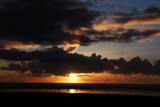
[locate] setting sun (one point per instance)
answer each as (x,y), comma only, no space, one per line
(72,75)
(73,78)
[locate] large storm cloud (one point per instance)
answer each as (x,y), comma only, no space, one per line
(55,22)
(42,22)
(52,61)
(57,61)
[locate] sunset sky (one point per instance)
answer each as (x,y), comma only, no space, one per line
(80,41)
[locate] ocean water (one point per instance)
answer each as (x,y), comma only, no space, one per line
(117,89)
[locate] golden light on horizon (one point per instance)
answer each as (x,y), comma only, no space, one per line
(73,78)
(73,75)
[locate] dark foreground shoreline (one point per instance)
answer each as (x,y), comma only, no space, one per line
(80,99)
(52,99)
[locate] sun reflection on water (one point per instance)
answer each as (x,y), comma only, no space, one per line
(72,91)
(85,91)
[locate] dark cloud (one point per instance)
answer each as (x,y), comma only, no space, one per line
(149,14)
(71,49)
(152,10)
(1,47)
(22,67)
(42,22)
(53,61)
(122,35)
(14,55)
(133,12)
(59,62)
(137,66)
(132,34)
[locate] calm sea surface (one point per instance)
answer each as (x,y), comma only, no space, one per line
(118,89)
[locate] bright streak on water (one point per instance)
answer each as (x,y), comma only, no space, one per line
(83,91)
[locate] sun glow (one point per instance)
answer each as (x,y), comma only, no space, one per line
(73,78)
(73,75)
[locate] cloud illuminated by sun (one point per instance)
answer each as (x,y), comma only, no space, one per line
(70,47)
(8,44)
